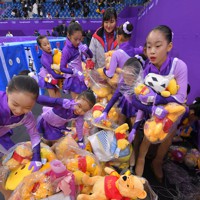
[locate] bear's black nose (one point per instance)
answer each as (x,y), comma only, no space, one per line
(124,178)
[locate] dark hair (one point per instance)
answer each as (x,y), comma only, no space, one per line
(24,72)
(39,38)
(196,107)
(133,63)
(141,58)
(109,14)
(166,31)
(127,26)
(89,96)
(23,83)
(73,27)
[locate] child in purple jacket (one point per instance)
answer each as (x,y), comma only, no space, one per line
(53,121)
(46,71)
(71,61)
(159,44)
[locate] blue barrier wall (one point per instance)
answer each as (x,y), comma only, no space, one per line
(18,56)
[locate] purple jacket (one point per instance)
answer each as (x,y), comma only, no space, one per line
(46,61)
(9,121)
(120,56)
(70,53)
(59,116)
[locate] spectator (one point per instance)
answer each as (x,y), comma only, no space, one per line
(86,9)
(54,32)
(36,33)
(49,15)
(72,13)
(48,33)
(57,14)
(9,34)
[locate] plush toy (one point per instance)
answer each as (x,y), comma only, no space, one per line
(165,85)
(171,89)
(113,115)
(121,136)
(63,149)
(86,164)
(40,185)
(192,158)
(114,186)
(177,153)
(21,155)
(156,129)
(112,146)
(15,176)
(57,54)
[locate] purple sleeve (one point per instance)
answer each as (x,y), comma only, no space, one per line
(47,65)
(113,100)
(89,53)
(30,123)
(64,61)
(140,106)
(49,101)
(79,127)
(181,76)
(113,65)
(138,120)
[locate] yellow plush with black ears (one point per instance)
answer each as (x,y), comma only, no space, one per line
(114,186)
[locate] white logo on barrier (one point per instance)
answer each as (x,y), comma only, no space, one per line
(10,62)
(18,60)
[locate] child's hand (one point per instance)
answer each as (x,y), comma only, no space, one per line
(159,112)
(147,98)
(67,104)
(79,74)
(36,165)
(81,143)
(83,48)
(103,116)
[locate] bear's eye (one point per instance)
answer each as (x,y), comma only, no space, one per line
(127,185)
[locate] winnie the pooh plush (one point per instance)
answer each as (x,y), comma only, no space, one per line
(86,164)
(114,186)
(156,130)
(21,155)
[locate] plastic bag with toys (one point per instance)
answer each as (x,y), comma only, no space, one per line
(75,158)
(164,121)
(17,163)
(99,86)
(110,122)
(43,184)
(111,145)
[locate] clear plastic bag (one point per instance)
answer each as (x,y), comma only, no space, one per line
(157,130)
(40,185)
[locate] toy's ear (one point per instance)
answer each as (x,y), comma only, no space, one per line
(142,195)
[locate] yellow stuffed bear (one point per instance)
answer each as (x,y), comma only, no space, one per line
(114,186)
(156,130)
(113,115)
(21,155)
(86,164)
